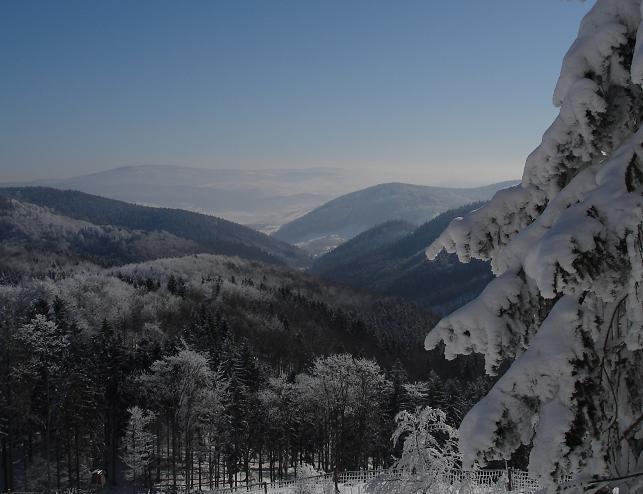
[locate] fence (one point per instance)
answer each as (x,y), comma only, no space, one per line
(480,481)
(473,481)
(353,482)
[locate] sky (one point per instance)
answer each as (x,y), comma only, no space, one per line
(433,92)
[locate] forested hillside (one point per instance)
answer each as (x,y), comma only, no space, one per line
(89,353)
(354,213)
(365,243)
(32,227)
(212,235)
(400,268)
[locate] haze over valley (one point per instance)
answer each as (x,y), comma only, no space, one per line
(316,209)
(263,199)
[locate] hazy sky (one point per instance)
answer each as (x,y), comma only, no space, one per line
(428,91)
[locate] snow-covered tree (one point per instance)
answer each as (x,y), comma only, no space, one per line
(566,246)
(430,445)
(428,457)
(189,395)
(46,348)
(138,443)
(346,394)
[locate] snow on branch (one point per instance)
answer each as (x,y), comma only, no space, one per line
(567,247)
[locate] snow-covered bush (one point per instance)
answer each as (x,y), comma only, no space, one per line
(430,445)
(429,456)
(566,246)
(306,470)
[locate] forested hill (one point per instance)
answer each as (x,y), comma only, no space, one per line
(25,225)
(255,345)
(209,234)
(285,317)
(400,268)
(366,242)
(351,214)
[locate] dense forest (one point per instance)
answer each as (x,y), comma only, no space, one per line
(198,370)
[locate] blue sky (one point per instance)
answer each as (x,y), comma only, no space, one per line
(442,92)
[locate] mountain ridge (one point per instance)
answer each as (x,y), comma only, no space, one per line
(261,198)
(356,212)
(211,234)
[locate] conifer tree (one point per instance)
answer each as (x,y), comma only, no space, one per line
(566,247)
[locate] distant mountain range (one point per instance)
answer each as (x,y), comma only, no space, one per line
(262,199)
(387,259)
(112,230)
(356,212)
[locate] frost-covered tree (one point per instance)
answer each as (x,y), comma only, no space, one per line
(346,394)
(428,457)
(430,445)
(282,410)
(566,244)
(46,347)
(189,395)
(138,443)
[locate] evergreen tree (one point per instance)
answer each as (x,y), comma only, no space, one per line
(566,246)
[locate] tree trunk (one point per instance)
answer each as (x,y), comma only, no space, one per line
(58,466)
(158,450)
(5,466)
(217,468)
(69,467)
(114,446)
(174,454)
(78,459)
(26,465)
(48,433)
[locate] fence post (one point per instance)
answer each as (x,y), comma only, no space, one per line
(265,488)
(510,486)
